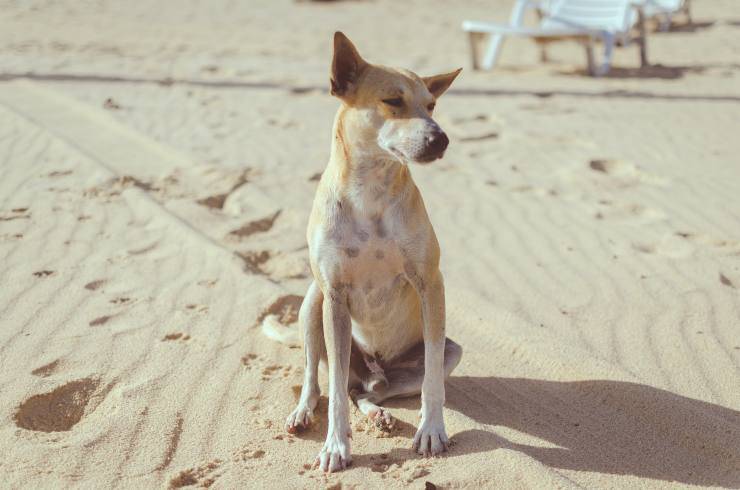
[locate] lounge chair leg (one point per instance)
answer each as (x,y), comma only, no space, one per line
(590,57)
(642,42)
(687,10)
(473,37)
(643,53)
(543,46)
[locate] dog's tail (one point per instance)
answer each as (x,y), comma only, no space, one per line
(273,329)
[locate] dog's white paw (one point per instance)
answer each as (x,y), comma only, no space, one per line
(299,419)
(335,455)
(431,438)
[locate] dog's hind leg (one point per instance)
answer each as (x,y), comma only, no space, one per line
(367,402)
(404,378)
(311,325)
(406,374)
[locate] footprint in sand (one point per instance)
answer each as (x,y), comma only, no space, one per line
(285,308)
(668,246)
(59,173)
(475,129)
(407,471)
(58,410)
(16,213)
(101,320)
(731,247)
(246,454)
(253,361)
(207,283)
(623,173)
(253,227)
(632,213)
(115,186)
(213,202)
(490,135)
(217,201)
(282,123)
(470,119)
(276,371)
(253,261)
(143,250)
(547,108)
(203,476)
(94,285)
(281,266)
(196,308)
(47,369)
(111,104)
(726,281)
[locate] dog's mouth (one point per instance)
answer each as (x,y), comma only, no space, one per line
(423,159)
(398,154)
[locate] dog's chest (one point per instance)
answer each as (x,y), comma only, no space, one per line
(370,260)
(366,249)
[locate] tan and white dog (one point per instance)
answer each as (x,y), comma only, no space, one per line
(375,312)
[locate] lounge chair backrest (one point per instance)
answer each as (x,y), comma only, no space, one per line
(615,16)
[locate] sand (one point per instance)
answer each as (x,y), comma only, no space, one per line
(158,164)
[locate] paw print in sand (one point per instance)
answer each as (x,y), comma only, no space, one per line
(176,336)
(253,361)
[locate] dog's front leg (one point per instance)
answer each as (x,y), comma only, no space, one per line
(335,455)
(431,438)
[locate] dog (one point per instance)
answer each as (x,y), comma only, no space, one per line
(375,311)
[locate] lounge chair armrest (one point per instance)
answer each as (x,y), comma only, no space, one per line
(494,28)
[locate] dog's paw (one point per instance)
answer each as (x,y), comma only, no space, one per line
(300,419)
(431,438)
(382,419)
(335,455)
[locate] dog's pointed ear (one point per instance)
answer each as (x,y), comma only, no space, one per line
(438,84)
(345,67)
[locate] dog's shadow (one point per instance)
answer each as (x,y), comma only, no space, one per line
(602,426)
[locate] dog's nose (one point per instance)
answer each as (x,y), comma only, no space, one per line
(437,142)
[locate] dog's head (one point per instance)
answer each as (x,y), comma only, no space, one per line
(388,108)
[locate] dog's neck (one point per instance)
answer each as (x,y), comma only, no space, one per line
(361,170)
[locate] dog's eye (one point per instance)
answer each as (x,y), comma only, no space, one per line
(430,107)
(395,102)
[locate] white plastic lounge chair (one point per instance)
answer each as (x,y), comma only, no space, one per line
(665,10)
(585,21)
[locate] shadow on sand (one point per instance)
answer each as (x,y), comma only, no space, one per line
(308,89)
(603,426)
(656,71)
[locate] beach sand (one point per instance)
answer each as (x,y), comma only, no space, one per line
(158,166)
